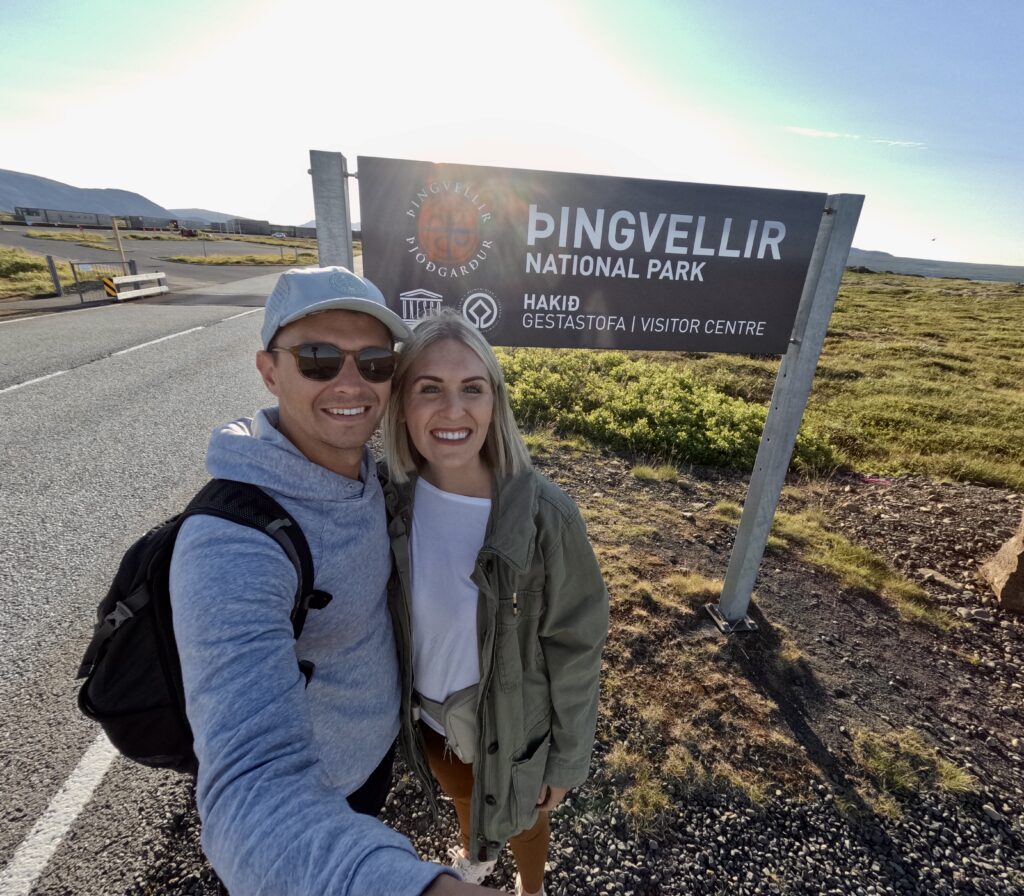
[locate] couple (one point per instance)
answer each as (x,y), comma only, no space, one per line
(466,619)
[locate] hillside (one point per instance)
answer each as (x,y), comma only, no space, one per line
(17,189)
(201,214)
(923,267)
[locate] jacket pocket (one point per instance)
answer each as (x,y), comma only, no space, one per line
(518,642)
(527,778)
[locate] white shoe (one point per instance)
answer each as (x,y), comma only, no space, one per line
(519,887)
(471,872)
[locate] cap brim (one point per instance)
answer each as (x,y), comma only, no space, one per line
(398,328)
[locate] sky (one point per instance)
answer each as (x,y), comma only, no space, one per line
(917,104)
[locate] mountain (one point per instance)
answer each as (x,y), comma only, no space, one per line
(201,214)
(41,192)
(923,267)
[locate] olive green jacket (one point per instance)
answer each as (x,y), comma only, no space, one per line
(542,620)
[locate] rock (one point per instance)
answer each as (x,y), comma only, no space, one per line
(992,812)
(1005,573)
(933,575)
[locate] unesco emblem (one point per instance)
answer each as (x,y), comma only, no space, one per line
(451,220)
(481,308)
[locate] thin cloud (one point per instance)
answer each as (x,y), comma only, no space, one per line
(834,135)
(910,144)
(830,135)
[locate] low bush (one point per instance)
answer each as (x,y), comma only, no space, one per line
(643,407)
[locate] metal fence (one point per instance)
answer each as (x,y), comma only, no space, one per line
(88,274)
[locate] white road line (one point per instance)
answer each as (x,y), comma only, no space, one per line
(38,379)
(123,351)
(36,850)
(18,320)
(243,314)
(135,348)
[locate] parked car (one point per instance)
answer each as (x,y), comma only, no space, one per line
(279,235)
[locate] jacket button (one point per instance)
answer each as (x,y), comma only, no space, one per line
(490,800)
(493,748)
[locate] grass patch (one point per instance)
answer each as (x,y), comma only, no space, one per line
(663,473)
(693,589)
(545,442)
(156,235)
(304,258)
(727,512)
(641,795)
(856,567)
(902,764)
(26,274)
(83,238)
(917,375)
(68,236)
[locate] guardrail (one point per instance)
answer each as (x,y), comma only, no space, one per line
(114,286)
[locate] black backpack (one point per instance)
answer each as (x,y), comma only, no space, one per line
(131,668)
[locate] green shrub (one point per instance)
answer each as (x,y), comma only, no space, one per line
(642,407)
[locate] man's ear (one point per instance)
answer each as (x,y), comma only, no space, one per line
(267,366)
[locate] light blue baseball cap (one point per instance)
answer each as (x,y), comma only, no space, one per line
(304,291)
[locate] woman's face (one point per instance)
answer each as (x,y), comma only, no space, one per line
(447,403)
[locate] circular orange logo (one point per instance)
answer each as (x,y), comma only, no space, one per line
(448,229)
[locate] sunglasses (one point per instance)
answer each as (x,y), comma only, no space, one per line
(322,361)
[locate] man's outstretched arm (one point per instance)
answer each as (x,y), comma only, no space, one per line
(450,886)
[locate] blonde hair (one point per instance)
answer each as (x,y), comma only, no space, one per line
(504,451)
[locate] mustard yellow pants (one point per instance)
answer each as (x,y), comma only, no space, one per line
(530,847)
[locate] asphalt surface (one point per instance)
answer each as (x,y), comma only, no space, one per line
(97,447)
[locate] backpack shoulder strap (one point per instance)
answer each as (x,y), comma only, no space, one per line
(249,505)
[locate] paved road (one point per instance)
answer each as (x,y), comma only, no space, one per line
(105,416)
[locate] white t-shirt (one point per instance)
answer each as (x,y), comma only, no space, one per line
(447,534)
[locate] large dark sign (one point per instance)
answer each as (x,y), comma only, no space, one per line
(537,258)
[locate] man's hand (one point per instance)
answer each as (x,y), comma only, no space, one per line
(550,797)
(446,885)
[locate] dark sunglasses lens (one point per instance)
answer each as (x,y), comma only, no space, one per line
(376,365)
(319,361)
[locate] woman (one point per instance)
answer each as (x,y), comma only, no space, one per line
(507,607)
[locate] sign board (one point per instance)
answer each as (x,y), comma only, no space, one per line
(538,258)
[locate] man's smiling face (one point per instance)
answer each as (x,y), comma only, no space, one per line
(330,421)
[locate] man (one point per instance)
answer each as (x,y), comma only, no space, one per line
(291,773)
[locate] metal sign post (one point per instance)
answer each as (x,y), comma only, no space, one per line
(789,399)
(330,207)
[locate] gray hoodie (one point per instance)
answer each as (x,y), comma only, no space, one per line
(277,758)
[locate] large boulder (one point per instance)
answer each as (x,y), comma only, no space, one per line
(1005,573)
